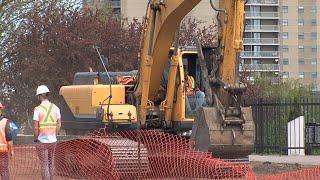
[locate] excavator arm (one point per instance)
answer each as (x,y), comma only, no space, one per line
(162,21)
(232,28)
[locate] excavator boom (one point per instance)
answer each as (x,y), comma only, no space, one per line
(162,21)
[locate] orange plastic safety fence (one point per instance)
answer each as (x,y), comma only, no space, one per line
(124,155)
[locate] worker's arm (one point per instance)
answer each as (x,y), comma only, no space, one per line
(58,125)
(58,120)
(35,125)
(36,131)
(10,148)
(9,138)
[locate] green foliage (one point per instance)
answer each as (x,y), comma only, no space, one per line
(289,89)
(277,104)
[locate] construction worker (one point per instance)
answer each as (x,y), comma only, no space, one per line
(6,145)
(200,98)
(47,123)
(190,83)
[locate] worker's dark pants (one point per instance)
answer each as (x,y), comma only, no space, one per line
(46,154)
(4,166)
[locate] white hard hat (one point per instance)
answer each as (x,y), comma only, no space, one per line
(43,89)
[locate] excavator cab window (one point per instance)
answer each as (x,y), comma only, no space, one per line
(190,63)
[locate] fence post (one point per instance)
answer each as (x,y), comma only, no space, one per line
(296,136)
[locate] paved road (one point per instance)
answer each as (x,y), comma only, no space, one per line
(303,160)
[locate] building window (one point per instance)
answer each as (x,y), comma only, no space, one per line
(314,74)
(301,74)
(301,62)
(300,22)
(313,35)
(285,74)
(313,22)
(301,35)
(313,61)
(285,22)
(313,9)
(301,48)
(285,61)
(285,9)
(314,48)
(301,9)
(285,48)
(285,35)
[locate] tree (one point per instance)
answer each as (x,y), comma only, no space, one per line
(191,28)
(289,89)
(12,17)
(55,44)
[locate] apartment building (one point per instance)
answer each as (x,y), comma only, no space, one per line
(281,40)
(137,9)
(261,54)
(299,41)
(114,5)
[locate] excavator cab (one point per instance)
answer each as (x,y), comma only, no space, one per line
(221,126)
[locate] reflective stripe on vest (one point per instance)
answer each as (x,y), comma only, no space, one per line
(3,141)
(47,120)
(189,92)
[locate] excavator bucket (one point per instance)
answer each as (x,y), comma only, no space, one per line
(224,141)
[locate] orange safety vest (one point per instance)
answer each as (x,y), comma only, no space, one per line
(3,141)
(190,85)
(47,119)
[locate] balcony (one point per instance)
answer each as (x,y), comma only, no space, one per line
(262,28)
(261,41)
(259,54)
(263,2)
(259,67)
(272,80)
(262,15)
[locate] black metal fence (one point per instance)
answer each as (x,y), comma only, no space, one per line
(271,121)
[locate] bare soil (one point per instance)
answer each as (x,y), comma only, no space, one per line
(268,168)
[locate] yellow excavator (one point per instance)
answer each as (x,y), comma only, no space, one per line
(156,97)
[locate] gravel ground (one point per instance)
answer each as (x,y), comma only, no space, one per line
(268,168)
(267,165)
(303,160)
